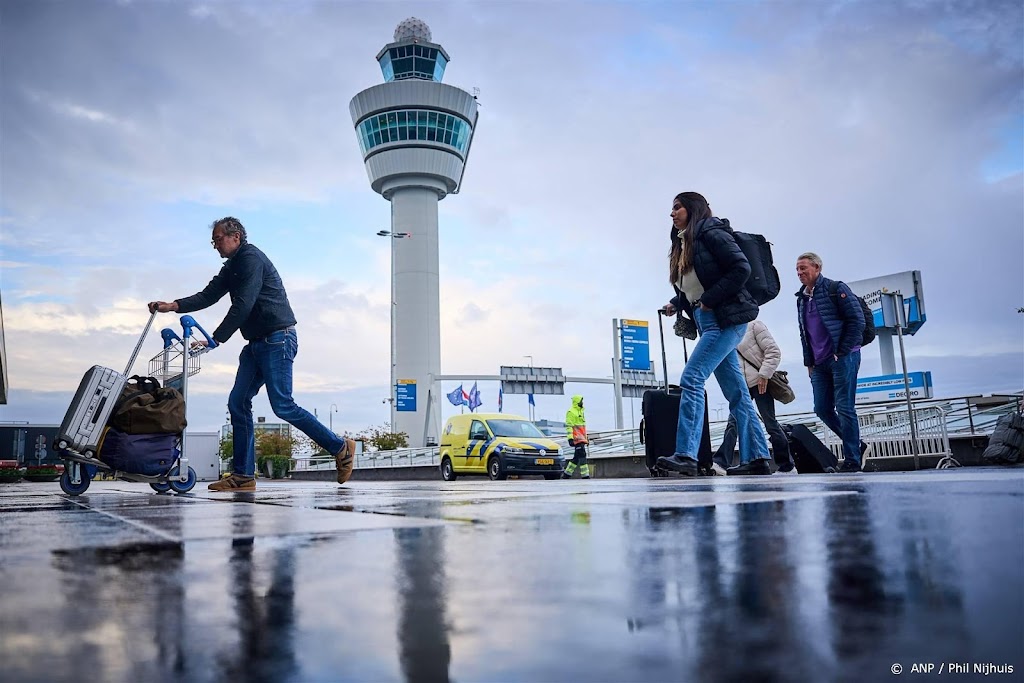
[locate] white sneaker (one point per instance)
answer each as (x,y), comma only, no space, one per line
(719,470)
(786,472)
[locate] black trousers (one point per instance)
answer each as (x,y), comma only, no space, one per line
(780,444)
(580,455)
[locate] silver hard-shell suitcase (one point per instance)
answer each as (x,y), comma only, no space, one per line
(82,427)
(83,424)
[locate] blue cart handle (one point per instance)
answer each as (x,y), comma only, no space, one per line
(188,322)
(169,336)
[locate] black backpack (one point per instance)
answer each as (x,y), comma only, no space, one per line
(869,333)
(763,284)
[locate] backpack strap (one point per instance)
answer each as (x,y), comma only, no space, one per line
(833,291)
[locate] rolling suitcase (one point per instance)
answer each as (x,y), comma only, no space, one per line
(660,417)
(82,426)
(810,455)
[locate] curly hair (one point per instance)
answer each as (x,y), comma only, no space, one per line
(231,226)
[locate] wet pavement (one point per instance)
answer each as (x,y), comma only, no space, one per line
(802,578)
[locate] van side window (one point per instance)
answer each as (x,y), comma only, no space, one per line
(478,431)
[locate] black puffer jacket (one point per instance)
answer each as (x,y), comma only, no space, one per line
(722,270)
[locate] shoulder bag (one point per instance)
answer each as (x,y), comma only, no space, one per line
(778,383)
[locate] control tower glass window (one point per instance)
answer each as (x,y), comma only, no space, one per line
(413,61)
(414,124)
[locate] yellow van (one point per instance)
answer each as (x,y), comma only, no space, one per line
(497,444)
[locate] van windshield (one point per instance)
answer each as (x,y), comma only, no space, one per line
(515,429)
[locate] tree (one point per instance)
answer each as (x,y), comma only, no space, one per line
(274,443)
(383,439)
(227,447)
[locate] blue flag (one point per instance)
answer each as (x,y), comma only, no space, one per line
(457,397)
(474,398)
(530,399)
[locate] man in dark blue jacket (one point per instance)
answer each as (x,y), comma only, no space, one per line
(831,324)
(260,310)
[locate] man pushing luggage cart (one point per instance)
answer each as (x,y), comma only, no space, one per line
(261,312)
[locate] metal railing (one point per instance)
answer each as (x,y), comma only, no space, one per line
(884,427)
(888,434)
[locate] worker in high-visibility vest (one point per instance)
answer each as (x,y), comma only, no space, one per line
(576,431)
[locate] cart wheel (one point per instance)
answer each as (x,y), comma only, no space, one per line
(182,486)
(160,487)
(74,489)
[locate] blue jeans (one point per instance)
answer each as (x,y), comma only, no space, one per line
(834,384)
(269,361)
(716,352)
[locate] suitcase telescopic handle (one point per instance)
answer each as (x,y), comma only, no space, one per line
(661,333)
(188,322)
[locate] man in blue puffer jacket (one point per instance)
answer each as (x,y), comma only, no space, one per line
(830,331)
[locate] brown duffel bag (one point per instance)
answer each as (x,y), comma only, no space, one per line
(147,408)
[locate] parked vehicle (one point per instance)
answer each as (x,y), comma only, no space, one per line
(497,444)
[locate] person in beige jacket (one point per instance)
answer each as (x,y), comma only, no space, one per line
(759,358)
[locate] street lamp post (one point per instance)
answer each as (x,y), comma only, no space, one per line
(529,407)
(394,236)
(334,409)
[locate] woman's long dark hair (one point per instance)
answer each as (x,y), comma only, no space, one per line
(680,257)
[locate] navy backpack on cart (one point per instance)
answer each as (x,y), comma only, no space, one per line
(148,454)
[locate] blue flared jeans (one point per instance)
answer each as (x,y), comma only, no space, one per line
(834,384)
(715,352)
(268,361)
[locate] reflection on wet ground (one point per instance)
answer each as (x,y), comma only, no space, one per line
(796,578)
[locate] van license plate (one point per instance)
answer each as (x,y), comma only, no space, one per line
(544,461)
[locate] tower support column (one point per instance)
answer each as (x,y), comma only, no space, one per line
(417,336)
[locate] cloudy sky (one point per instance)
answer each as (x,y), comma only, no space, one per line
(884,136)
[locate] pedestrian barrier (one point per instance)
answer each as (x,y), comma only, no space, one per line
(888,434)
(885,428)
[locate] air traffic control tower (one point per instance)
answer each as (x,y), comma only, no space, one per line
(415,134)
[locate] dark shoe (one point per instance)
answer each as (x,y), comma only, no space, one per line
(566,475)
(234,482)
(345,460)
(673,463)
(759,466)
(849,466)
(585,476)
(707,471)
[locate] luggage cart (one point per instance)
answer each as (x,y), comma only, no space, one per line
(179,360)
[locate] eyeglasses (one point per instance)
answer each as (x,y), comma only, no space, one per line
(218,238)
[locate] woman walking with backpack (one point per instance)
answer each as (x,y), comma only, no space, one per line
(708,270)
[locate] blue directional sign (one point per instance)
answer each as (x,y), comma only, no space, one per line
(405,396)
(636,351)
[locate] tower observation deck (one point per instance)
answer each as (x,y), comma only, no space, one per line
(415,134)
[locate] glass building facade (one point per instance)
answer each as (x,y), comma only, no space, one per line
(413,61)
(414,124)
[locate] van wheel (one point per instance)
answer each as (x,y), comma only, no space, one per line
(494,470)
(447,471)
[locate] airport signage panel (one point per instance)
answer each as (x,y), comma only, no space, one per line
(892,387)
(405,395)
(635,343)
(907,283)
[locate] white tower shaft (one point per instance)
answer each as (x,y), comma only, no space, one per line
(417,335)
